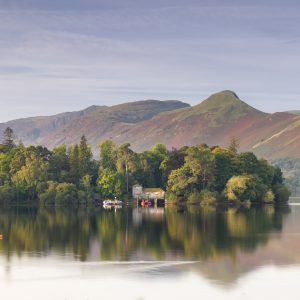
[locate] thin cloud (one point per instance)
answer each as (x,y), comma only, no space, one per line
(69,55)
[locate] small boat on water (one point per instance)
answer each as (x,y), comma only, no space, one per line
(115,202)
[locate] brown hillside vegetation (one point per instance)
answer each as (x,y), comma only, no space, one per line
(213,122)
(173,123)
(96,122)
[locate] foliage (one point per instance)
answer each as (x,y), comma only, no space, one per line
(268,197)
(108,155)
(7,194)
(224,168)
(281,193)
(111,184)
(245,187)
(48,196)
(181,181)
(233,145)
(173,161)
(66,193)
(74,164)
(31,174)
(205,197)
(85,157)
(59,164)
(8,140)
(197,173)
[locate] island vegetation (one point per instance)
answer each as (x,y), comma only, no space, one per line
(197,174)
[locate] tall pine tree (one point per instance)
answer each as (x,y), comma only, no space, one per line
(85,157)
(8,139)
(74,163)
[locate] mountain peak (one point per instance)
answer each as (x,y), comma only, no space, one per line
(228,93)
(224,100)
(224,106)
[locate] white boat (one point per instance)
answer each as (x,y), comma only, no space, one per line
(114,202)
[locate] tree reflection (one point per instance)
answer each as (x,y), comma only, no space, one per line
(192,233)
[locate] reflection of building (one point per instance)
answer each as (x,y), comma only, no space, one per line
(138,192)
(138,214)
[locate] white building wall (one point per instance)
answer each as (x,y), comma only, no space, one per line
(137,190)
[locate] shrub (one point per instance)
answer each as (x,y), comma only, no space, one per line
(245,187)
(7,194)
(59,193)
(268,197)
(282,194)
(49,195)
(207,197)
(194,198)
(66,193)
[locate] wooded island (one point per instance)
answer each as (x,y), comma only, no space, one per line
(71,175)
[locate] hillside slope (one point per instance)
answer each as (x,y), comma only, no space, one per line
(173,123)
(96,122)
(213,122)
(294,112)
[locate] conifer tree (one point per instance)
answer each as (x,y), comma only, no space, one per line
(85,157)
(74,163)
(233,145)
(8,139)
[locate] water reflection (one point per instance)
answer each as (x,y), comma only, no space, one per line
(133,234)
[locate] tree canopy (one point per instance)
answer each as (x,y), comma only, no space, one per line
(71,174)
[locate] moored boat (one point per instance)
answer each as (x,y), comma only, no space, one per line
(114,202)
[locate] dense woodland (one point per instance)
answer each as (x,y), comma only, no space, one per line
(71,175)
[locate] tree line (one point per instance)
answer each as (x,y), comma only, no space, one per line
(71,175)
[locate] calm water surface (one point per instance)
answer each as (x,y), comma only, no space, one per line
(163,253)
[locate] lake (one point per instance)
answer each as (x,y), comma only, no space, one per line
(150,253)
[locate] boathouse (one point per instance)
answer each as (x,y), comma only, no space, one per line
(138,192)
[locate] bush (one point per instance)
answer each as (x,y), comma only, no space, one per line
(7,194)
(208,197)
(66,193)
(205,197)
(49,195)
(59,193)
(268,197)
(245,187)
(282,194)
(194,198)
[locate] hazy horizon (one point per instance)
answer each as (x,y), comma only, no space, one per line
(58,56)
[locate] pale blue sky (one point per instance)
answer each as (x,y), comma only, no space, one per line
(63,55)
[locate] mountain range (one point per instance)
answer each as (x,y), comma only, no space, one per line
(173,123)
